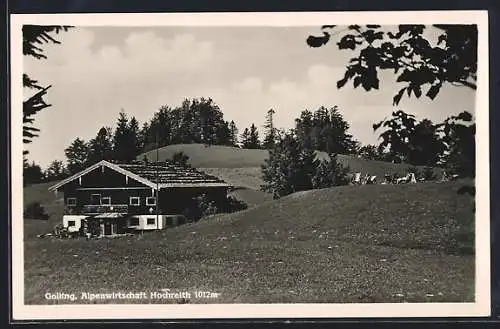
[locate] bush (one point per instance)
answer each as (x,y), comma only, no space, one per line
(330,173)
(234,205)
(291,168)
(181,159)
(429,174)
(35,211)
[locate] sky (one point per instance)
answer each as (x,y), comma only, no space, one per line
(97,71)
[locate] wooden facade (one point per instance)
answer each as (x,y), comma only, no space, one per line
(109,199)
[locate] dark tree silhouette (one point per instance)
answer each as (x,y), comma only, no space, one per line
(459,137)
(77,155)
(34,36)
(245,138)
(32,173)
(371,152)
(417,143)
(101,147)
(126,140)
(291,168)
(424,66)
(270,130)
(325,130)
(195,121)
(56,171)
(233,136)
(253,139)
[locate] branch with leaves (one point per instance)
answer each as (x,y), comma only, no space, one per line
(418,64)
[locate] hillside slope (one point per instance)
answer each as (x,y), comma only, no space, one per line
(201,156)
(373,243)
(428,215)
(40,193)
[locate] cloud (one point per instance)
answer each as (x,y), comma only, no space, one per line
(91,86)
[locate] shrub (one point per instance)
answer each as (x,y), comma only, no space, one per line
(181,159)
(291,168)
(429,174)
(330,173)
(35,211)
(234,205)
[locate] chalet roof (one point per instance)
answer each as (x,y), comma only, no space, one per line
(161,175)
(167,174)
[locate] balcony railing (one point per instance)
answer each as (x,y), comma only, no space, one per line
(100,209)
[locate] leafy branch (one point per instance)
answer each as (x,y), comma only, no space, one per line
(453,60)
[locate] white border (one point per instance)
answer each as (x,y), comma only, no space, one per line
(190,311)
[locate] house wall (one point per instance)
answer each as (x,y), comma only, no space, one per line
(176,200)
(164,221)
(76,218)
(143,225)
(109,183)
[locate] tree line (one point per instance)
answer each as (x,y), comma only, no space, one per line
(293,164)
(449,144)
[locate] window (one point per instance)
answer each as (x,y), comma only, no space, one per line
(150,201)
(95,199)
(135,201)
(71,201)
(106,201)
(151,221)
(134,222)
(71,223)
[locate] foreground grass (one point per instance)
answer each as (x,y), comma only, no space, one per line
(377,243)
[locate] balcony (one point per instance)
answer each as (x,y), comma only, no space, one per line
(100,209)
(95,209)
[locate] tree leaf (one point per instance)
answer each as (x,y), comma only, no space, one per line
(398,96)
(347,42)
(377,125)
(465,116)
(341,83)
(433,91)
(417,90)
(316,42)
(357,81)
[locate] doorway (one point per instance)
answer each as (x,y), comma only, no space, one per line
(108,228)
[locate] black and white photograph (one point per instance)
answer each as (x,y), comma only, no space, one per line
(232,165)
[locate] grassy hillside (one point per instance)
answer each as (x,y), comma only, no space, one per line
(217,156)
(248,177)
(372,243)
(39,193)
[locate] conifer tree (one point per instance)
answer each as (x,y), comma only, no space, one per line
(245,138)
(77,156)
(134,135)
(253,140)
(270,130)
(56,171)
(33,37)
(233,133)
(101,147)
